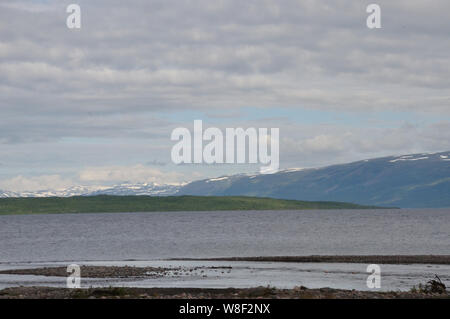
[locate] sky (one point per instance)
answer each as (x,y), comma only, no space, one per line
(97,105)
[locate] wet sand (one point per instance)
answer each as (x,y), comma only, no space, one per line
(105,271)
(176,271)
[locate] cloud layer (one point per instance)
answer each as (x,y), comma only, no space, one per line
(108,95)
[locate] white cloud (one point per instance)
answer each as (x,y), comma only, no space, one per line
(99,176)
(134,174)
(36,183)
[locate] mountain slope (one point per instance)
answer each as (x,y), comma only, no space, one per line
(417,180)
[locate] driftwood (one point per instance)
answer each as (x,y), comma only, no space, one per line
(435,286)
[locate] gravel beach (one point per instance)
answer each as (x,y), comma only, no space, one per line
(204,293)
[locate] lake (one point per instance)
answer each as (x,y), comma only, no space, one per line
(148,236)
(150,239)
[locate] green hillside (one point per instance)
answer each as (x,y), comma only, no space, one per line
(110,204)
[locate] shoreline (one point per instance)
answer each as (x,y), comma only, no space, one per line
(209,293)
(363,259)
(418,289)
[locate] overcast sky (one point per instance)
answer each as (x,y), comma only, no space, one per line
(97,105)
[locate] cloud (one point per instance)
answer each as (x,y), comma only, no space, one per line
(107,96)
(261,53)
(99,176)
(135,174)
(36,183)
(321,143)
(311,146)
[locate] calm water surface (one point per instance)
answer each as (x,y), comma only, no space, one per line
(150,236)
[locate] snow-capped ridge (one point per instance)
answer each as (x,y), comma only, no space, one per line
(151,189)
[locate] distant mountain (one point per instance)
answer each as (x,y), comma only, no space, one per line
(151,189)
(415,181)
(138,189)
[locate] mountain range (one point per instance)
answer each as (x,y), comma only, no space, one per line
(410,181)
(414,181)
(124,189)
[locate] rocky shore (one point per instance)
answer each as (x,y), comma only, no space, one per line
(204,293)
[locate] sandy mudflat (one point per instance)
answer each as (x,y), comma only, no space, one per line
(110,271)
(92,271)
(365,259)
(195,272)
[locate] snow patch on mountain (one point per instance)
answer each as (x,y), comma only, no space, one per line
(150,189)
(419,157)
(217,179)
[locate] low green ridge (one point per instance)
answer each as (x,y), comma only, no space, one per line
(114,204)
